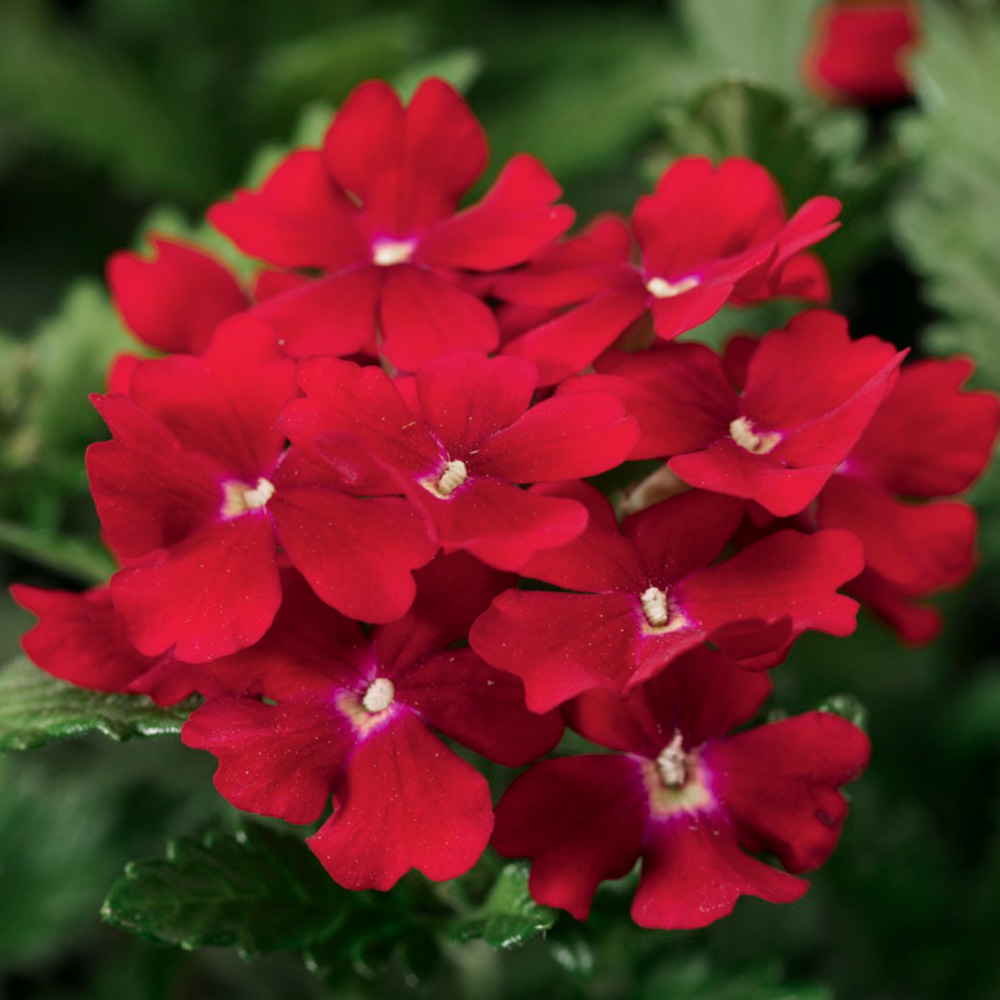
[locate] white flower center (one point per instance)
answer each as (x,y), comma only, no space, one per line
(654,606)
(742,431)
(238,498)
(660,288)
(386,252)
(380,695)
(672,763)
(453,475)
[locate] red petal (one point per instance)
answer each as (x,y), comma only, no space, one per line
(580,820)
(560,644)
(79,639)
(308,647)
(778,783)
(680,313)
(149,492)
(569,343)
(224,404)
(332,315)
(358,554)
(410,166)
(821,388)
(703,695)
(175,300)
(501,524)
(406,802)
(916,623)
(209,596)
(515,219)
(702,217)
(452,591)
(725,467)
(860,52)
(679,394)
(682,534)
(563,437)
(424,315)
(278,760)
(575,269)
(481,708)
(465,397)
(804,277)
(298,218)
(693,872)
(916,547)
(600,559)
(929,438)
(342,397)
(785,574)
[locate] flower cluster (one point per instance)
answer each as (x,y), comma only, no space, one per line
(350,512)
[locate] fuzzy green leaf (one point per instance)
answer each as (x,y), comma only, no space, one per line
(948,221)
(256,890)
(36,708)
(509,916)
(763,40)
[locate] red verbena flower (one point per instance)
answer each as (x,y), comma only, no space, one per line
(375,212)
(196,489)
(685,795)
(708,235)
(860,50)
(360,729)
(808,393)
(929,439)
(456,438)
(646,594)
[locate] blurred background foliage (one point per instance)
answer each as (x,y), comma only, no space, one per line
(121,115)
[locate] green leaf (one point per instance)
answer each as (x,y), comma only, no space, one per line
(948,220)
(695,978)
(326,64)
(36,708)
(579,92)
(85,561)
(509,916)
(460,67)
(46,421)
(847,706)
(98,102)
(763,40)
(571,949)
(256,890)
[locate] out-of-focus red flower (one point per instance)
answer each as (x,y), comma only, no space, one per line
(860,48)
